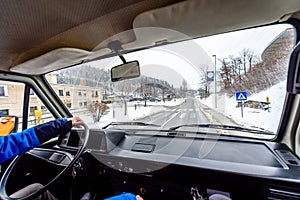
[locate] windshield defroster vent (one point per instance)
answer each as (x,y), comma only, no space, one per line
(143,147)
(288,157)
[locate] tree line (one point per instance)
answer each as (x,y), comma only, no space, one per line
(90,76)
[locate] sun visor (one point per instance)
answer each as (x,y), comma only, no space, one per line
(53,60)
(211,17)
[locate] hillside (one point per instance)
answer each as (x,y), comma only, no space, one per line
(253,72)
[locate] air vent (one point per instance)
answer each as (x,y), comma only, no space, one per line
(142,147)
(282,194)
(288,157)
(174,134)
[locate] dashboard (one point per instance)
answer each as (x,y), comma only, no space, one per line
(158,165)
(103,140)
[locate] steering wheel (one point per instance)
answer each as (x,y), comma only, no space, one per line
(3,194)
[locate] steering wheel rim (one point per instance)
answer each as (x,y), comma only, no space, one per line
(6,174)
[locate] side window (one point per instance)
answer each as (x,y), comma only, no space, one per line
(11,102)
(38,112)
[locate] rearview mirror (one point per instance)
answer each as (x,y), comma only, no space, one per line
(125,71)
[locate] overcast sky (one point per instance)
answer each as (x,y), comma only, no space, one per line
(256,39)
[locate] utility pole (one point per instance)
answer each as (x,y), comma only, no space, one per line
(215,79)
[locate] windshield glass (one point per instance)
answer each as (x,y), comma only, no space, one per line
(237,79)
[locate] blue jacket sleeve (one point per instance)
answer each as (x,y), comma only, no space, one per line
(124,196)
(51,129)
(18,143)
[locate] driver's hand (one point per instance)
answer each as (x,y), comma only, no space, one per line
(76,121)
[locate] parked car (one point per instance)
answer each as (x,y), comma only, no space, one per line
(154,99)
(59,58)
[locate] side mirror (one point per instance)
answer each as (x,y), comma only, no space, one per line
(125,71)
(8,124)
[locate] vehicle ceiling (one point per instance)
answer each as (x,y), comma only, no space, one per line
(37,36)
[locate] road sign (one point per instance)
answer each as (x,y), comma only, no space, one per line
(210,76)
(241,96)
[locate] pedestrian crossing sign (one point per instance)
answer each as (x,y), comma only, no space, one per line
(241,96)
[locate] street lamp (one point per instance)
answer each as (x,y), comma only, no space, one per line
(215,79)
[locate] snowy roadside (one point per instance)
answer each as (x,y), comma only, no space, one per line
(215,116)
(253,118)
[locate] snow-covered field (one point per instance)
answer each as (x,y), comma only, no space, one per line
(267,120)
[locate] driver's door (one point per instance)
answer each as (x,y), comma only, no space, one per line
(20,108)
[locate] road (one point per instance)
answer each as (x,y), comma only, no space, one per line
(188,112)
(185,111)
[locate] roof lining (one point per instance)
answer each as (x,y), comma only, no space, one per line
(91,37)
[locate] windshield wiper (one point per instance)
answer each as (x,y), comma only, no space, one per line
(129,123)
(223,127)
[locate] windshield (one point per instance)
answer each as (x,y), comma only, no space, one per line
(236,79)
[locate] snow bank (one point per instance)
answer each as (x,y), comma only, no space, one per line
(268,120)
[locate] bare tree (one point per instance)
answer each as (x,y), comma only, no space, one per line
(226,73)
(97,109)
